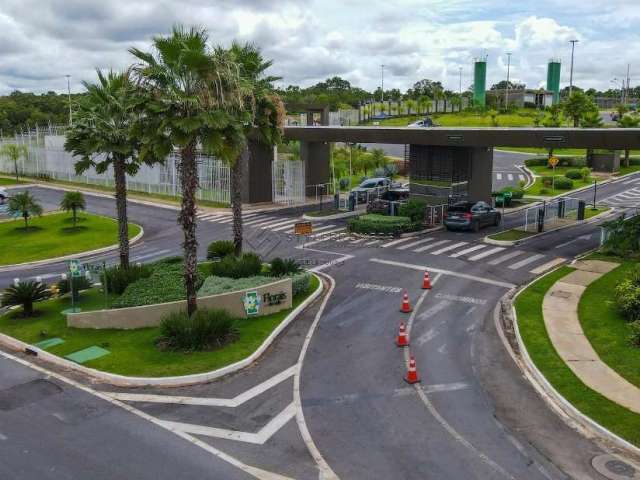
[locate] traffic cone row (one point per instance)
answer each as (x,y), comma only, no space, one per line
(426,282)
(412,372)
(403,338)
(406,306)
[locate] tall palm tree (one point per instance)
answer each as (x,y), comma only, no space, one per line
(102,137)
(190,90)
(14,152)
(263,113)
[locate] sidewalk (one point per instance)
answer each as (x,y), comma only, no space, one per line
(560,311)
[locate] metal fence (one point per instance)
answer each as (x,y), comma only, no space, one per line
(559,211)
(288,181)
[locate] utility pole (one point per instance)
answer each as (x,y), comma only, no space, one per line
(460,82)
(506,95)
(626,92)
(573,47)
(382,82)
(69,99)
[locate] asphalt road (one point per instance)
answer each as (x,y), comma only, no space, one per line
(473,415)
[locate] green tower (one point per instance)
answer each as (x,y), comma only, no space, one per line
(480,82)
(553,79)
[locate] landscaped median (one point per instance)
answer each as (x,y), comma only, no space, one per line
(250,308)
(579,341)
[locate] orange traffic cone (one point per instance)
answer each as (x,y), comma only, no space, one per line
(426,282)
(406,307)
(403,338)
(412,372)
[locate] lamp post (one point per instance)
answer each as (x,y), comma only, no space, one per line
(573,47)
(506,95)
(382,82)
(460,81)
(69,99)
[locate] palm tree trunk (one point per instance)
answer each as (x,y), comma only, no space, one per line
(75,219)
(236,199)
(15,164)
(626,157)
(187,220)
(25,215)
(121,210)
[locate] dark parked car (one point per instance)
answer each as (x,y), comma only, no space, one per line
(471,216)
(371,187)
(382,205)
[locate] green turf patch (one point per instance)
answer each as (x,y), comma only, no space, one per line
(54,235)
(511,235)
(48,343)
(534,334)
(87,354)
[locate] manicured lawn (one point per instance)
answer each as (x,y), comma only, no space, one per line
(133,352)
(630,169)
(534,334)
(538,188)
(324,213)
(574,152)
(5,181)
(592,212)
(466,119)
(606,328)
(54,235)
(511,235)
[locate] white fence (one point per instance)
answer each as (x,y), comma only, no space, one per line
(288,183)
(559,211)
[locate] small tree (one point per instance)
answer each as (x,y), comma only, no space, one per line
(628,121)
(72,202)
(378,158)
(24,205)
(14,152)
(577,106)
(25,294)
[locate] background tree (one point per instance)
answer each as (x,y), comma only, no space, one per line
(14,152)
(102,136)
(628,121)
(190,90)
(24,205)
(591,119)
(577,105)
(25,293)
(411,106)
(424,104)
(72,202)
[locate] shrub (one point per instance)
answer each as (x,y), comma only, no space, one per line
(381,224)
(574,174)
(414,209)
(536,162)
(345,183)
(547,181)
(117,279)
(563,183)
(79,283)
(516,192)
(281,267)
(634,335)
(205,329)
(390,170)
(544,191)
(585,172)
(248,265)
(220,249)
(627,295)
(300,283)
(215,285)
(25,293)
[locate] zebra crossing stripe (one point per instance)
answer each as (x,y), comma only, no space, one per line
(498,176)
(505,257)
(396,242)
(510,176)
(267,223)
(277,224)
(357,240)
(526,261)
(414,244)
(521,177)
(328,232)
(319,229)
(467,250)
(259,220)
(449,248)
(284,227)
(209,216)
(485,254)
(546,266)
(372,242)
(435,244)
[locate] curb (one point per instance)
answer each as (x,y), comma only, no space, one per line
(560,405)
(177,381)
(48,261)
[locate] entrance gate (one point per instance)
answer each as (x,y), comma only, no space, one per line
(287,178)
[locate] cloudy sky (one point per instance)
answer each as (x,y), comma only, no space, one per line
(310,40)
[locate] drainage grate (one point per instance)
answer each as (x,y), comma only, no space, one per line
(27,394)
(615,468)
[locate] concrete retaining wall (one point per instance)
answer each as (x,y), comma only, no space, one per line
(151,315)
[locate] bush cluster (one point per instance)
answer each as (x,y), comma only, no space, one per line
(220,249)
(215,285)
(205,329)
(382,225)
(623,237)
(415,209)
(300,283)
(574,174)
(248,265)
(516,192)
(562,162)
(281,267)
(563,183)
(627,295)
(117,279)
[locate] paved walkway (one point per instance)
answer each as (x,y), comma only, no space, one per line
(560,310)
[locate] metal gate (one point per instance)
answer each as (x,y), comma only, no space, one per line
(287,177)
(559,211)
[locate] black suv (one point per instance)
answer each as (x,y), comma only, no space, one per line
(471,216)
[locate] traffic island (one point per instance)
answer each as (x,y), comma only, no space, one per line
(552,336)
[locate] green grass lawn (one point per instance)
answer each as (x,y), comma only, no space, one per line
(523,118)
(6,181)
(54,235)
(538,189)
(511,235)
(133,352)
(606,328)
(534,334)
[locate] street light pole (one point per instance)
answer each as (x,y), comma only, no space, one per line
(506,96)
(69,99)
(382,82)
(573,47)
(460,82)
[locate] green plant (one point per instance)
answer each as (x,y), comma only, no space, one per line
(585,173)
(563,183)
(516,192)
(414,208)
(72,202)
(25,293)
(248,265)
(281,267)
(205,329)
(634,335)
(79,283)
(574,174)
(220,249)
(627,295)
(300,283)
(14,152)
(216,285)
(547,181)
(622,236)
(381,224)
(544,191)
(117,279)
(345,183)
(24,205)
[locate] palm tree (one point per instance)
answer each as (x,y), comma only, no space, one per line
(25,293)
(14,152)
(263,112)
(24,205)
(72,202)
(628,121)
(411,105)
(190,90)
(423,104)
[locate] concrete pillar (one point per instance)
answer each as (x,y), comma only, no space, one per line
(316,158)
(256,170)
(481,178)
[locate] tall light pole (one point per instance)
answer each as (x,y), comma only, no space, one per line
(460,82)
(506,95)
(573,47)
(626,92)
(69,99)
(382,82)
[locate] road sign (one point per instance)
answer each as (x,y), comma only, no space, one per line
(553,161)
(74,268)
(303,228)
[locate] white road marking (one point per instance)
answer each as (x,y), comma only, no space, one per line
(510,177)
(434,244)
(498,176)
(259,438)
(448,248)
(485,254)
(357,240)
(543,268)
(457,298)
(270,226)
(284,227)
(325,227)
(422,268)
(226,220)
(267,223)
(445,387)
(521,177)
(467,250)
(3,437)
(155,253)
(415,244)
(581,237)
(260,220)
(207,401)
(505,257)
(396,242)
(526,261)
(328,232)
(380,288)
(211,216)
(372,242)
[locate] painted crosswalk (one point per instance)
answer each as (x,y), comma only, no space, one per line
(629,199)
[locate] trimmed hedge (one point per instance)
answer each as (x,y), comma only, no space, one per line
(204,330)
(563,183)
(516,192)
(248,265)
(574,174)
(414,208)
(381,224)
(216,285)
